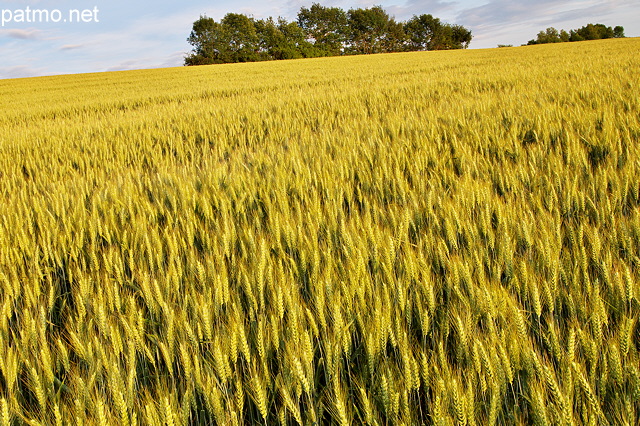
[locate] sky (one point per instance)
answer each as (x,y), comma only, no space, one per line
(109,35)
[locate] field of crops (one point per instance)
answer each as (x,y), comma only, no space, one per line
(419,238)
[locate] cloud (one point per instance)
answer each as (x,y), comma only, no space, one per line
(131,64)
(506,21)
(501,12)
(592,13)
(29,34)
(19,72)
(419,7)
(71,46)
(504,12)
(176,59)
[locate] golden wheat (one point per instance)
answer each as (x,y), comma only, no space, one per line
(414,238)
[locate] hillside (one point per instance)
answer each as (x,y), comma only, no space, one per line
(413,238)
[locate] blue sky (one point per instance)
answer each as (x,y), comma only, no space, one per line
(133,35)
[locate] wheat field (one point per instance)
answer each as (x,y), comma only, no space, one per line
(446,238)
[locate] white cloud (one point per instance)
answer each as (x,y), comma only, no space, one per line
(176,59)
(126,65)
(515,22)
(19,72)
(71,46)
(441,9)
(27,34)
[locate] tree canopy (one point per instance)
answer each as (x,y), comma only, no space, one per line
(326,27)
(318,31)
(588,32)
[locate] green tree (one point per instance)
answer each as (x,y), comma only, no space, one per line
(318,31)
(395,39)
(588,32)
(550,35)
(461,37)
(592,32)
(234,39)
(241,37)
(372,30)
(271,42)
(207,41)
(618,32)
(326,27)
(296,39)
(425,32)
(282,40)
(422,32)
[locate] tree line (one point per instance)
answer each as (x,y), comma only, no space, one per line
(318,31)
(588,32)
